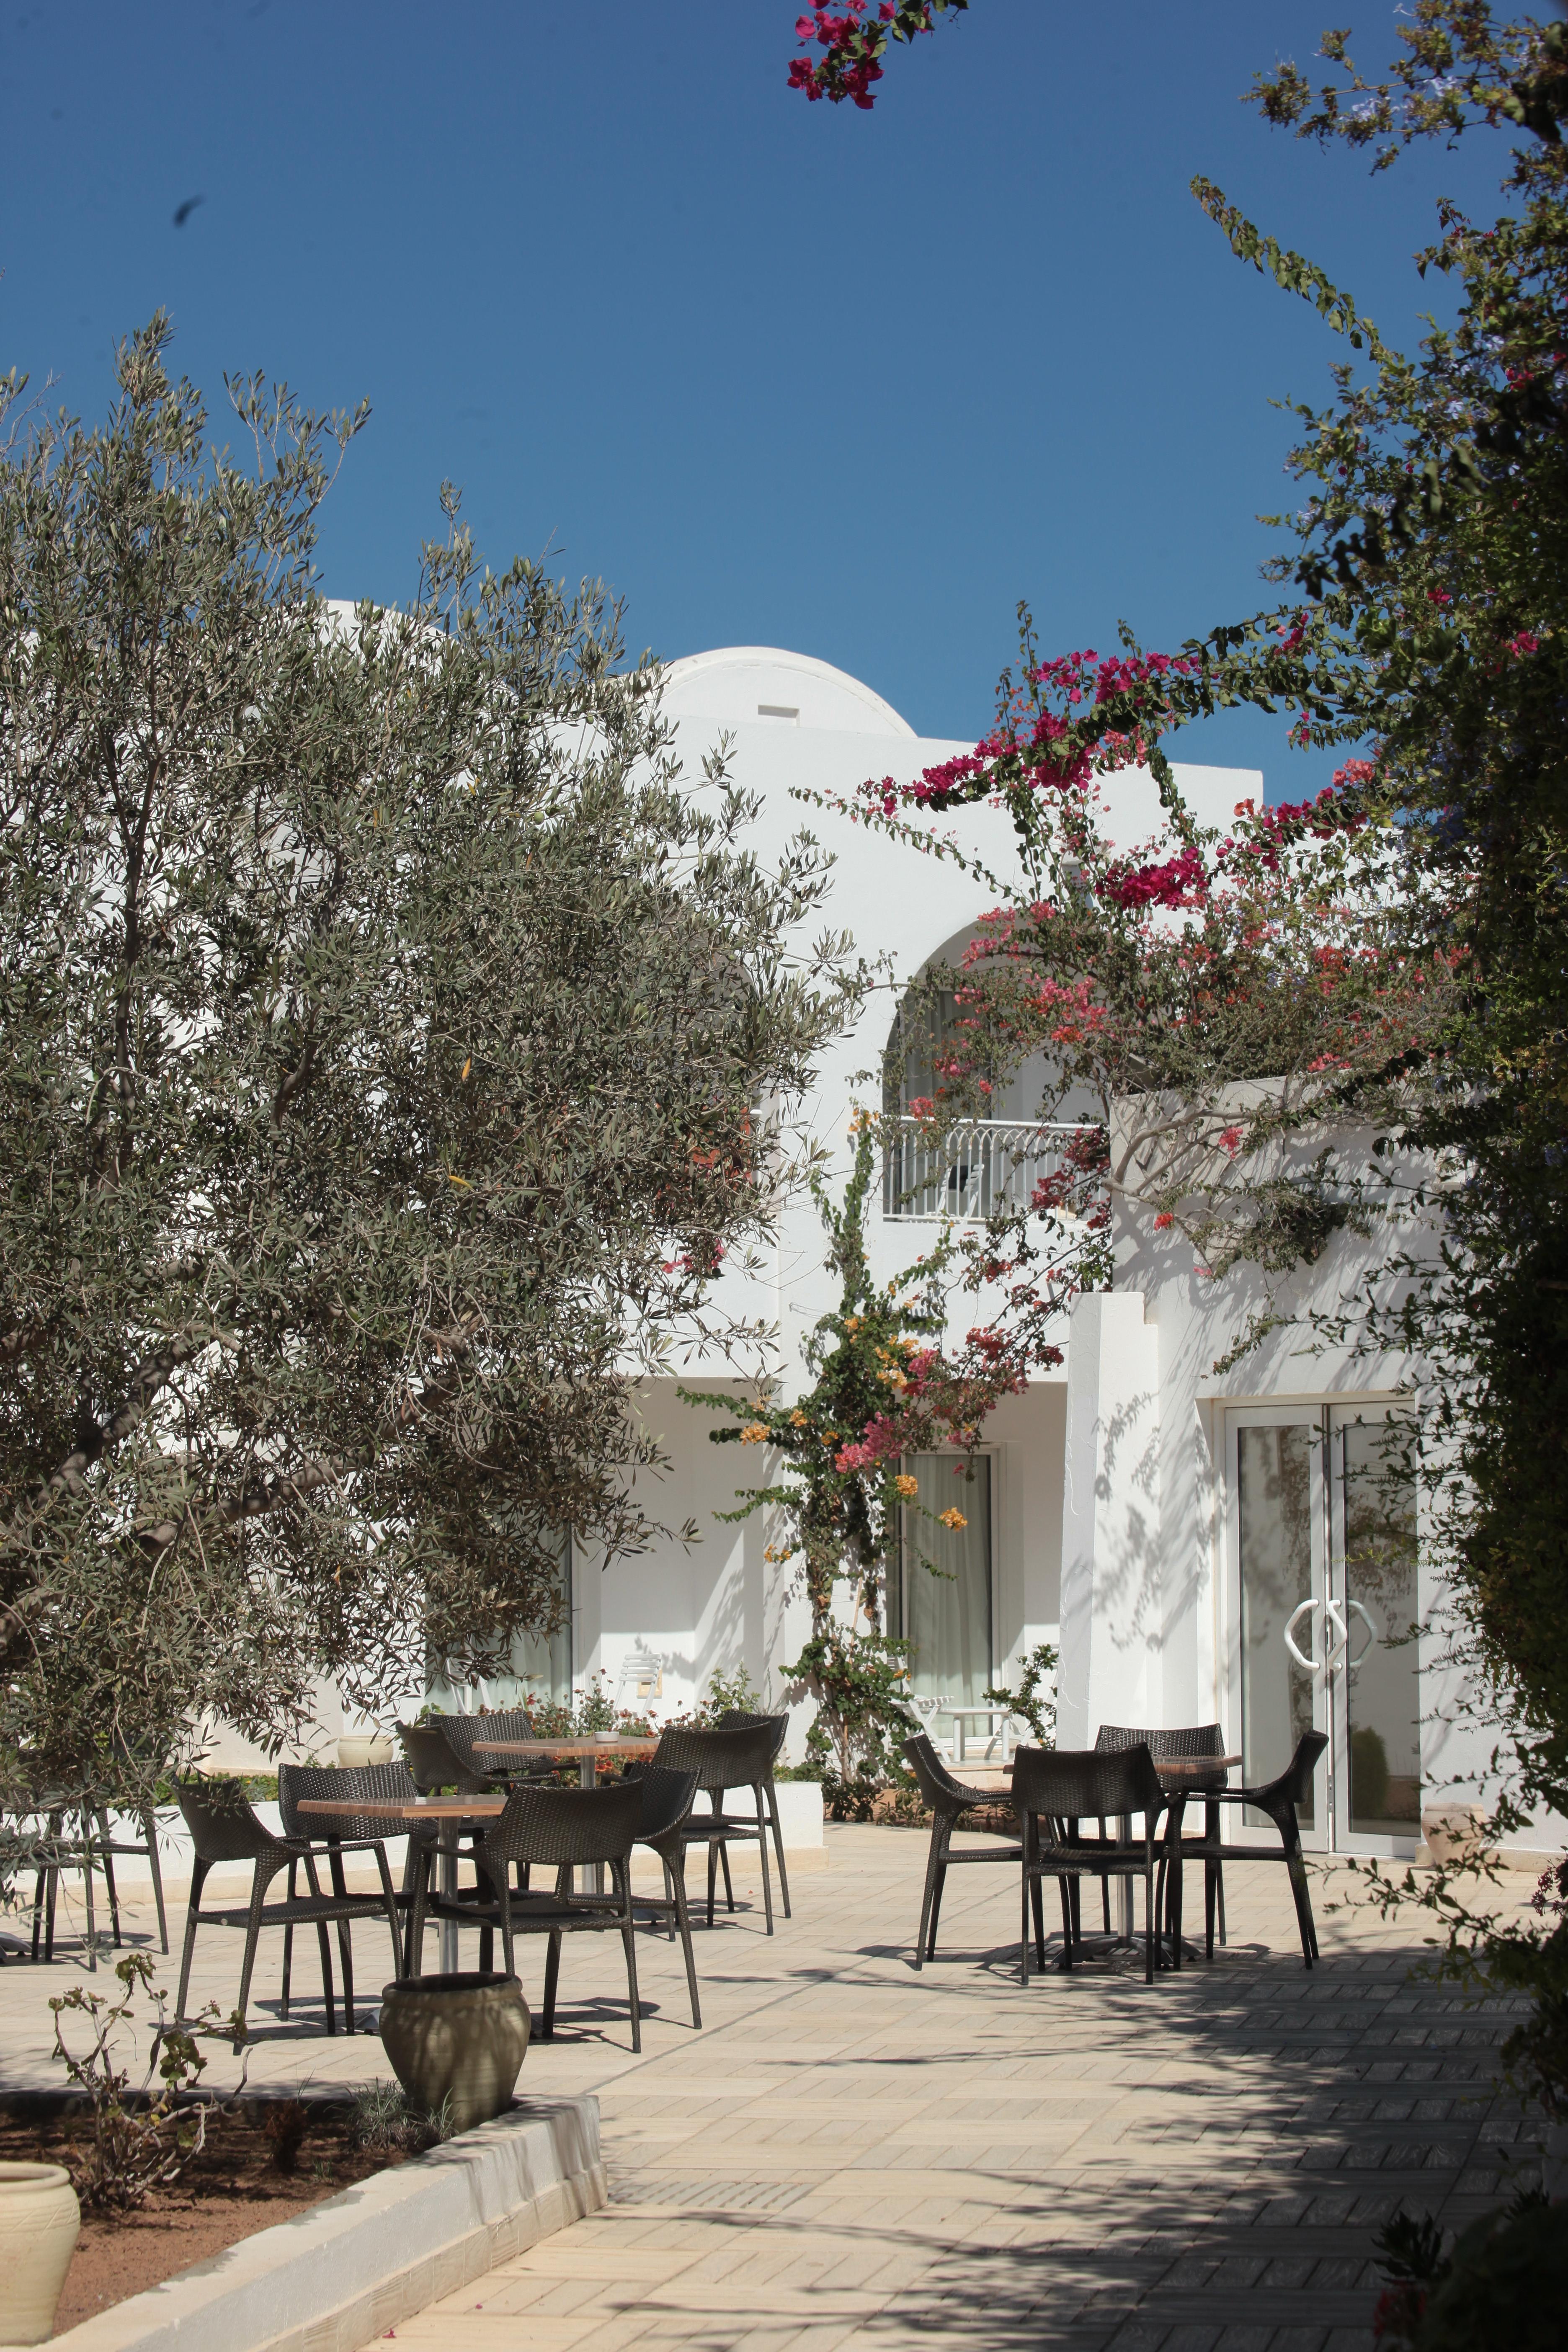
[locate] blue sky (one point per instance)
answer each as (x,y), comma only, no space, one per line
(781,373)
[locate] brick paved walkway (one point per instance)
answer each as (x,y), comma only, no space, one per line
(855,2155)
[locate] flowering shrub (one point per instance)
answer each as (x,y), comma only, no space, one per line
(851,47)
(884,1387)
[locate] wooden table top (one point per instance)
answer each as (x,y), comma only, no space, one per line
(407,1809)
(611,1744)
(1192,1768)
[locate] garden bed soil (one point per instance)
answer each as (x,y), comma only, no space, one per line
(233,2190)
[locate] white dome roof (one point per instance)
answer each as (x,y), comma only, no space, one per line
(742,685)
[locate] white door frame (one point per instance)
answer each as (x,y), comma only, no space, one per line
(1321,1633)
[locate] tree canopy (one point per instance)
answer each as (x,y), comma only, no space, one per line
(395,1044)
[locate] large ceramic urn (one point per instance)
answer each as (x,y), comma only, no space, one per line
(459,2037)
(39,2219)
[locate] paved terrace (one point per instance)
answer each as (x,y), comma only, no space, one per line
(853,2155)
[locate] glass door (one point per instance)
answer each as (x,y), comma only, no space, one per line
(1277,1523)
(1323,1544)
(1372,1609)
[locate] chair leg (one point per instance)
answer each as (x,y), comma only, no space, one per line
(1211,1871)
(1075,1906)
(924,1951)
(1023,1926)
(389,1904)
(291,1887)
(417,1871)
(551,1978)
(622,1873)
(1308,1934)
(762,1853)
(712,1874)
(1064,1890)
(725,1866)
(198,1873)
(778,1847)
(87,1890)
(149,1823)
(324,1946)
(1219,1896)
(252,1934)
(1151,1908)
(682,1919)
(346,1953)
(106,1835)
(1038,1893)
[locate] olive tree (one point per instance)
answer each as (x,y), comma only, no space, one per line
(394,1044)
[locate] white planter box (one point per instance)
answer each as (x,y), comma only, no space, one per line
(800,1811)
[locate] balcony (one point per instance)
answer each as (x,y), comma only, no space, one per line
(969,1170)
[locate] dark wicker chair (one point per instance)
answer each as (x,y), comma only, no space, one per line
(735,1718)
(460,1731)
(739,1758)
(1193,1739)
(1280,1799)
(326,1837)
(1055,1789)
(565,1828)
(53,1847)
(434,1763)
(949,1800)
(667,1802)
(107,1845)
(225,1829)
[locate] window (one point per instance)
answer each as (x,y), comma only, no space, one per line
(944,1609)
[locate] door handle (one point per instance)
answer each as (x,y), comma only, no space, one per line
(1310,1665)
(1333,1612)
(1373,1636)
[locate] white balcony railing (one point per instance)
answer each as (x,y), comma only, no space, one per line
(968,1171)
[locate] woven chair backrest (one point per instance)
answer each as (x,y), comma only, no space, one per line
(222,1824)
(666,1798)
(1195,1739)
(387,1781)
(433,1762)
(460,1731)
(937,1785)
(1083,1783)
(740,1758)
(735,1718)
(568,1825)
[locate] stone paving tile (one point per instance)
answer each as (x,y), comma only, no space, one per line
(856,2157)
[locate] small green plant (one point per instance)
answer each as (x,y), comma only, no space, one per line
(1033,1703)
(383,2121)
(140,2142)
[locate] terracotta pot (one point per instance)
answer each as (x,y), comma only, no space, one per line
(39,2219)
(459,2036)
(1454,1832)
(364,1748)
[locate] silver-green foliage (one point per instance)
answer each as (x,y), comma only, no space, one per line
(382,1026)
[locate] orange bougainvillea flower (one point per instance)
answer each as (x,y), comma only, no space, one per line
(952,1518)
(907,1487)
(755,1432)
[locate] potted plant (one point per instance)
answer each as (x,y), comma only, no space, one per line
(458,2039)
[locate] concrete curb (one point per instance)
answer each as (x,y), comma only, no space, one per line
(349,2269)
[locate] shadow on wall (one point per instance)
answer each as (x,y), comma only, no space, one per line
(1127,1579)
